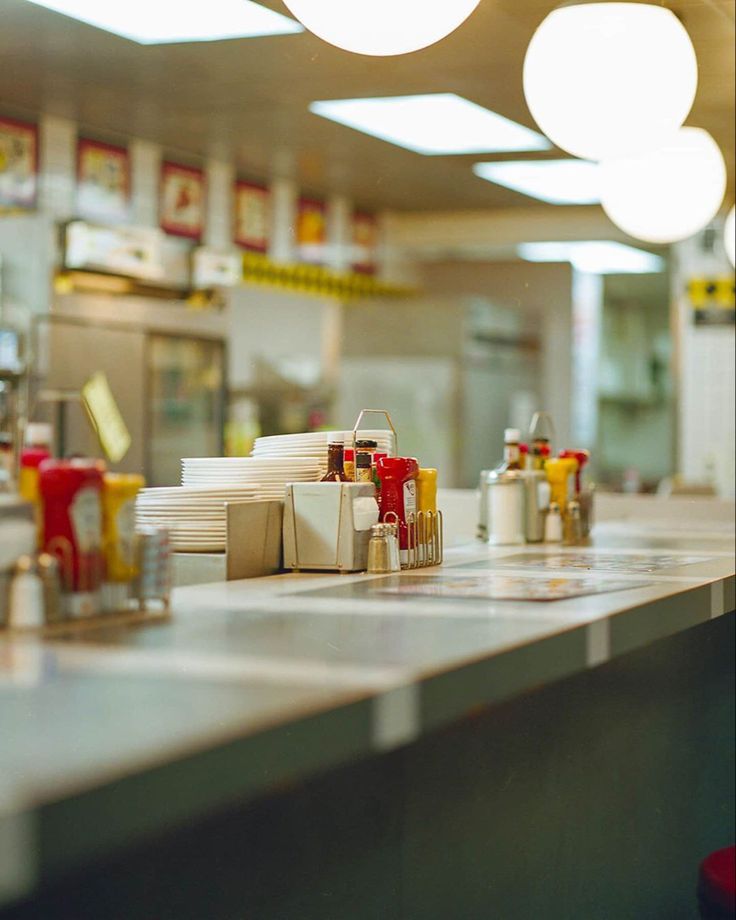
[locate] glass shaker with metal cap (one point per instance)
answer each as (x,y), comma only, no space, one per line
(382,555)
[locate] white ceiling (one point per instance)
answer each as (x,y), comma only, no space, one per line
(248,99)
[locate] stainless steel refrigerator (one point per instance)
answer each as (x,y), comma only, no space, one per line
(170,389)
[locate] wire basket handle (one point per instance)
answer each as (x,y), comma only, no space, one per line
(384,413)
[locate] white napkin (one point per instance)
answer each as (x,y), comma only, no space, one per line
(365,512)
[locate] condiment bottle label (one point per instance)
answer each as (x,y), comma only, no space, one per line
(85,514)
(410,498)
(125,526)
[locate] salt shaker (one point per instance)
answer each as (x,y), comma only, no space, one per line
(379,550)
(553,524)
(49,570)
(26,598)
(393,545)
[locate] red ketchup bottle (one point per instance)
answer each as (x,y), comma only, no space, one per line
(71,492)
(398,477)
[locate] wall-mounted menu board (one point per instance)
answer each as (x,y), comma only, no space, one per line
(103,181)
(311,231)
(252,216)
(18,163)
(182,201)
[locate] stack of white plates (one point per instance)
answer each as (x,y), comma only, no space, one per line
(269,475)
(313,445)
(194,517)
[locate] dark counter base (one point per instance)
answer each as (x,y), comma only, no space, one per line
(590,799)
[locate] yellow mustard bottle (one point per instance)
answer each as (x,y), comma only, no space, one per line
(427,491)
(118,516)
(561,477)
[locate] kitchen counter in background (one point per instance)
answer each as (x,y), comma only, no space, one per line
(261,687)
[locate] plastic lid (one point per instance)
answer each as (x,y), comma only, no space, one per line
(512,436)
(39,433)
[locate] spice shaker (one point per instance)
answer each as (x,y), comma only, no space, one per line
(536,503)
(26,609)
(553,524)
(53,600)
(379,550)
(393,542)
(573,525)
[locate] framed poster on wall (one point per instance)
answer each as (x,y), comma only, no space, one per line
(18,163)
(252,216)
(365,243)
(311,231)
(182,200)
(103,181)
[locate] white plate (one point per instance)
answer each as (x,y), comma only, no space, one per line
(253,476)
(263,467)
(305,438)
(285,469)
(182,493)
(196,534)
(195,494)
(222,463)
(190,480)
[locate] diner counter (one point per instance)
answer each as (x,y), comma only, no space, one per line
(114,736)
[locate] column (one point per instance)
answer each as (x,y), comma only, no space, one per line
(145,169)
(57,166)
(284,202)
(339,236)
(220,176)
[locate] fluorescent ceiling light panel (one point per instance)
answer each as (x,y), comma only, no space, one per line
(553,181)
(596,257)
(435,125)
(153,22)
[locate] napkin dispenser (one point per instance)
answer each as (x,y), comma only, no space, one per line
(327,525)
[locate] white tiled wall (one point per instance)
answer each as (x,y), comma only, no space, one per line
(707,433)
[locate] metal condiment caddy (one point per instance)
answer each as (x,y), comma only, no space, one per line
(46,597)
(325,528)
(425,539)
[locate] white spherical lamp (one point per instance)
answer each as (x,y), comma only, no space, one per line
(669,194)
(610,79)
(729,236)
(381,27)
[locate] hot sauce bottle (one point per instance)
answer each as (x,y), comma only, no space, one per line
(335,464)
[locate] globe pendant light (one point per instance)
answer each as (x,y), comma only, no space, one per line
(381,27)
(729,236)
(668,194)
(610,79)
